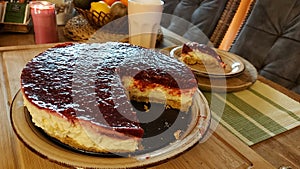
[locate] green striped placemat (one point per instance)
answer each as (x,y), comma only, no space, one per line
(255,114)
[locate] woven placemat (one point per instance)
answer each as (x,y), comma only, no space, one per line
(257,113)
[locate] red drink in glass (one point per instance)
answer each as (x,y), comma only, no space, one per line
(44,22)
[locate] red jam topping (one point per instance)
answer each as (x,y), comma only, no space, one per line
(194,46)
(83,81)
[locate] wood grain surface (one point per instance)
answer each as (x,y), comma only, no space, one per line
(281,150)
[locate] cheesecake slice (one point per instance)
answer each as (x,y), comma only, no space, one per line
(195,53)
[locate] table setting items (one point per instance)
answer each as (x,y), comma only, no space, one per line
(253,110)
(44,21)
(109,18)
(14,12)
(238,74)
(144,18)
(100,12)
(15,16)
(92,21)
(257,113)
(46,15)
(64,10)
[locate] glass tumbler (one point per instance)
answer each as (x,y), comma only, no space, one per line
(44,22)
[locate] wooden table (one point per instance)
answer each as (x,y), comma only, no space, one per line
(16,39)
(221,150)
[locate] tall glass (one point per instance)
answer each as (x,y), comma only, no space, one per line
(44,21)
(144,18)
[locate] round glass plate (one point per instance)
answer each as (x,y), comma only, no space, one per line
(197,125)
(234,66)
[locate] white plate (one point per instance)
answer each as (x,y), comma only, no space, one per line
(44,146)
(234,65)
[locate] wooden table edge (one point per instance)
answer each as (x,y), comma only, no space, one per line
(280,88)
(240,147)
(27,47)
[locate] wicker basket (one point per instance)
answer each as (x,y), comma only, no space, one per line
(98,20)
(95,19)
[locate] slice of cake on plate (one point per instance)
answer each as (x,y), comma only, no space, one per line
(193,53)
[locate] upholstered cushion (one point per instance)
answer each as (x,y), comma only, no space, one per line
(170,5)
(270,40)
(201,14)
